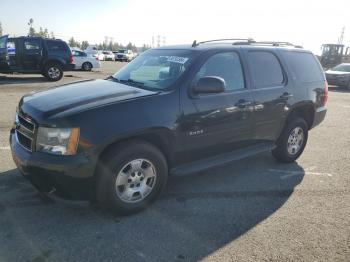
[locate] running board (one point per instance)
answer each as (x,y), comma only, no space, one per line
(221,159)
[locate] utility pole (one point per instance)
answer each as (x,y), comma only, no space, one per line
(341,38)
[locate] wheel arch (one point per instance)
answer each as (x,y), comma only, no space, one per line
(305,111)
(160,138)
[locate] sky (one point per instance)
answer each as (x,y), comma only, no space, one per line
(304,22)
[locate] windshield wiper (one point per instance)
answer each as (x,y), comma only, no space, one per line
(132,82)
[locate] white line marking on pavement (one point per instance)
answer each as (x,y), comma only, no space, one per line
(4,148)
(297,173)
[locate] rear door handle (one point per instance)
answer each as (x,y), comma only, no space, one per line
(286,95)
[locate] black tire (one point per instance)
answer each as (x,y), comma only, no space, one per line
(281,152)
(87,66)
(116,160)
(53,72)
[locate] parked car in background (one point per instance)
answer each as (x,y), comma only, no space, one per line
(124,55)
(176,110)
(100,55)
(339,75)
(109,56)
(35,55)
(84,61)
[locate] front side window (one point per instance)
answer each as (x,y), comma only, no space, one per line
(265,69)
(224,65)
(155,69)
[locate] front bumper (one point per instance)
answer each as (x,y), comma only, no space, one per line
(70,177)
(320,115)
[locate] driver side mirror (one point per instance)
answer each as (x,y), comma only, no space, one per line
(209,85)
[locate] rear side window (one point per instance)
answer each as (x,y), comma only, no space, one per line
(265,68)
(224,65)
(305,66)
(32,44)
(56,46)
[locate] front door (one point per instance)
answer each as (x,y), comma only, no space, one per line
(214,123)
(32,53)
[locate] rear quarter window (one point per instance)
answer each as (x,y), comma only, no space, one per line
(56,46)
(305,66)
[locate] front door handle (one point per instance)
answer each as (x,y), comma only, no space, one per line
(286,95)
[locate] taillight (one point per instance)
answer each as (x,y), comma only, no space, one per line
(325,95)
(71,59)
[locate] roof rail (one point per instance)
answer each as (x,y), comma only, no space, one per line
(276,43)
(245,40)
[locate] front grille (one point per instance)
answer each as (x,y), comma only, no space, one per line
(25,141)
(25,130)
(26,123)
(120,56)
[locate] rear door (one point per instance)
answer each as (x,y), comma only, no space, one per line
(272,92)
(3,52)
(32,53)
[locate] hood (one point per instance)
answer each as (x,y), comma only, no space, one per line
(79,96)
(331,72)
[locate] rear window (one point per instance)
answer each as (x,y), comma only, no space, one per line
(266,69)
(305,66)
(56,46)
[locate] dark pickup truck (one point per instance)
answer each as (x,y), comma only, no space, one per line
(176,110)
(32,55)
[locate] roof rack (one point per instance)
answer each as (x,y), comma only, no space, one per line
(245,40)
(275,43)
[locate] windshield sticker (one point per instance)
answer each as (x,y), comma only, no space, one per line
(176,59)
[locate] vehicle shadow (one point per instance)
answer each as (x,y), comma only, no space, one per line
(23,79)
(197,215)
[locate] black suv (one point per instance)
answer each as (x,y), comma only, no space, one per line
(175,110)
(49,57)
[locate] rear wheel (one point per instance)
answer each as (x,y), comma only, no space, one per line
(292,141)
(130,177)
(53,72)
(87,66)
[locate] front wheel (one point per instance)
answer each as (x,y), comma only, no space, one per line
(130,177)
(53,72)
(292,141)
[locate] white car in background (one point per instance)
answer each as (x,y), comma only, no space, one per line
(100,55)
(109,56)
(125,55)
(84,61)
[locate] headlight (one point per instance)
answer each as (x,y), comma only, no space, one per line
(58,141)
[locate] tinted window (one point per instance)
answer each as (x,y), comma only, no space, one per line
(305,66)
(224,65)
(266,69)
(55,46)
(33,44)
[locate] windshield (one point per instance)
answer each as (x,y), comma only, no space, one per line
(342,68)
(122,51)
(155,69)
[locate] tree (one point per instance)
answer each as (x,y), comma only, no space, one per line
(84,45)
(145,47)
(31,29)
(52,35)
(0,29)
(73,43)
